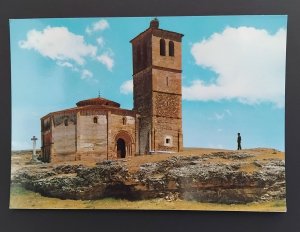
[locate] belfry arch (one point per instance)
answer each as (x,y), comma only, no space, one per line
(123,144)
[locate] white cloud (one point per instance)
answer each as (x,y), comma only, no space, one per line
(107,60)
(127,87)
(59,44)
(100,41)
(65,64)
(250,66)
(101,25)
(86,74)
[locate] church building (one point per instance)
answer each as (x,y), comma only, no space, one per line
(98,129)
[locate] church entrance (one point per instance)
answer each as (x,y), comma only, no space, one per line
(123,144)
(121,148)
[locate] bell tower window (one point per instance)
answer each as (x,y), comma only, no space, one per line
(162,44)
(171,48)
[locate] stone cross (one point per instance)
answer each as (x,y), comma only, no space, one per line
(34,139)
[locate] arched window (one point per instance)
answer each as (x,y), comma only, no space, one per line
(124,120)
(171,48)
(95,120)
(66,122)
(162,44)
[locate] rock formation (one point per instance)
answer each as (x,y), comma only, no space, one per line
(200,178)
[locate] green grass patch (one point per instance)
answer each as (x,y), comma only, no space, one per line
(16,190)
(24,199)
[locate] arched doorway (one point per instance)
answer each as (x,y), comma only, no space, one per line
(123,144)
(121,148)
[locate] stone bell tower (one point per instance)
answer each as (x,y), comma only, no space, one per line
(157,89)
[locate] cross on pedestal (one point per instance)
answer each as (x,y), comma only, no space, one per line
(34,139)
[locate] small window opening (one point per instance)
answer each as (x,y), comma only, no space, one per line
(168,141)
(66,122)
(171,48)
(124,120)
(162,47)
(95,120)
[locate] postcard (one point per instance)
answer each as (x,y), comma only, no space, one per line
(149,113)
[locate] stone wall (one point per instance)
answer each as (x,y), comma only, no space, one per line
(88,135)
(46,138)
(167,128)
(166,105)
(64,139)
(142,86)
(92,136)
(121,126)
(166,81)
(141,54)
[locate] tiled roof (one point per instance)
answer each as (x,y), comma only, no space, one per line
(98,101)
(94,104)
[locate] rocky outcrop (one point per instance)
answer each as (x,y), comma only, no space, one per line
(199,178)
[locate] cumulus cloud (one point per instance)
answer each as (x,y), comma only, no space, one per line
(101,25)
(249,63)
(107,60)
(67,49)
(127,87)
(86,74)
(59,44)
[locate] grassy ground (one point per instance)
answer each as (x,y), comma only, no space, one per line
(24,199)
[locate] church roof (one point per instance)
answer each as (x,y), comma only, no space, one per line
(98,102)
(94,104)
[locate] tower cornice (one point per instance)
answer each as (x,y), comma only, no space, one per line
(158,32)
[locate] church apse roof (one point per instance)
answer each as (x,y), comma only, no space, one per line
(94,104)
(99,101)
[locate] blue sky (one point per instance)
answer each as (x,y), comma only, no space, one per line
(233,73)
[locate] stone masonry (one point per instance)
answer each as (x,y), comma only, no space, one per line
(157,89)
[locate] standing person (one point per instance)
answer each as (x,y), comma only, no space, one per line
(239,140)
